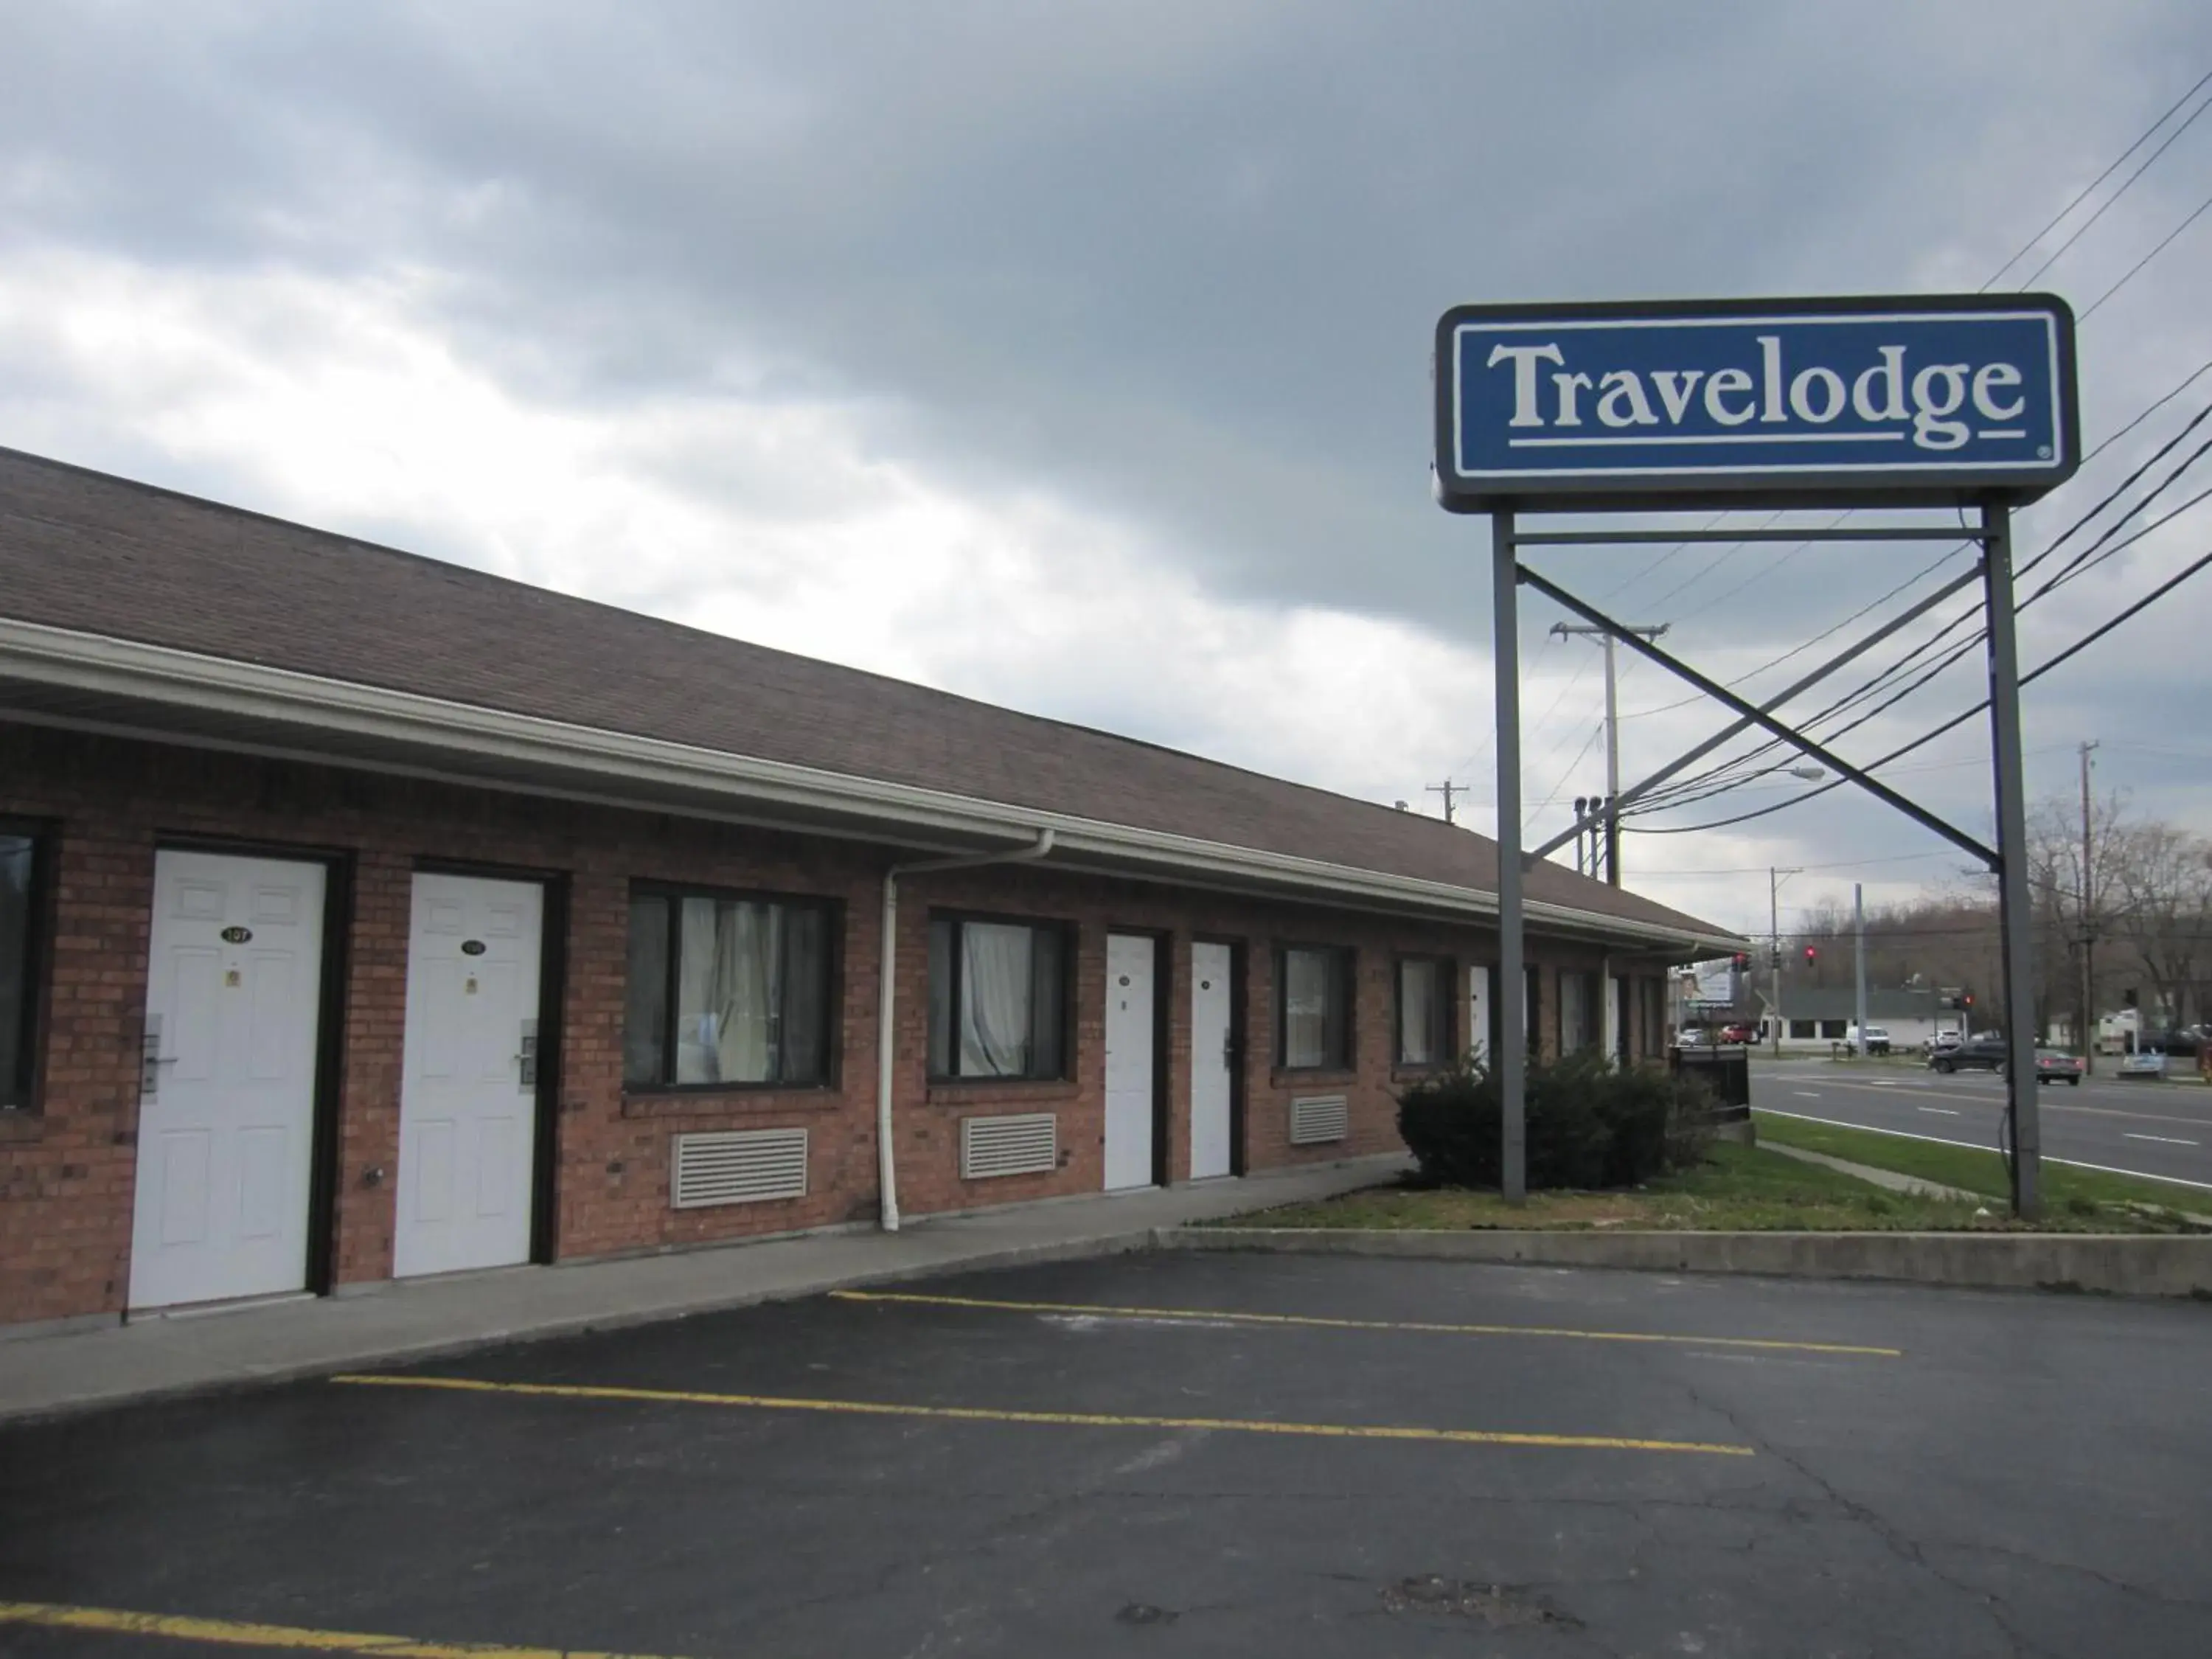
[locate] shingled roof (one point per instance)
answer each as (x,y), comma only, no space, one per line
(98,555)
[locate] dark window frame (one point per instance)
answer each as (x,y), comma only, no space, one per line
(1447,996)
(1591,982)
(36,966)
(1070,936)
(673,893)
(1346,958)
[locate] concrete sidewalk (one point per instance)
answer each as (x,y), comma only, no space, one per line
(412,1319)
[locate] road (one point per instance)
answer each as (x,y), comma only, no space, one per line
(2138,1126)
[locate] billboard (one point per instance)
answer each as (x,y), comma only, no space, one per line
(1923,401)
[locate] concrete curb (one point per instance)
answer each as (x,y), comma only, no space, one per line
(2108,1264)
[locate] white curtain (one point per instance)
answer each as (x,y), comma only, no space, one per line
(730,992)
(1574,1012)
(1305,1008)
(995,1000)
(1417,1012)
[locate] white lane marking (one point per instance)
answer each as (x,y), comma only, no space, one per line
(2163,1141)
(1804,1094)
(1881,1083)
(1940,1111)
(1979,1146)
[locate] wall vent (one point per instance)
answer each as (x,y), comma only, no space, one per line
(1028,1144)
(738,1166)
(1316,1118)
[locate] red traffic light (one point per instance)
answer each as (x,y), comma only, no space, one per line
(1811,955)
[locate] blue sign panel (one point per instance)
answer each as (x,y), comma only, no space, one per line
(1902,402)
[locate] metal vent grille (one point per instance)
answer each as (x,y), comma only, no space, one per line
(1026,1144)
(1319,1117)
(739,1166)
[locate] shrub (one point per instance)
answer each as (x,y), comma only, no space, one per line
(1589,1124)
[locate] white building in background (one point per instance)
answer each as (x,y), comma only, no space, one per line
(1814,1018)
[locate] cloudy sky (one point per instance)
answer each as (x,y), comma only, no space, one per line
(1076,356)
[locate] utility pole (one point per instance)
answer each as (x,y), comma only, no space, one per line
(1650,631)
(1858,918)
(2089,926)
(1448,789)
(1774,879)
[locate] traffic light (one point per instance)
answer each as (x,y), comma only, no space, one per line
(1743,961)
(1812,956)
(1967,1000)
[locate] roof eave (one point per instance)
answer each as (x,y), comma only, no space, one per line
(106,666)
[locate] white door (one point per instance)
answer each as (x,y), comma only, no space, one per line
(1212,1060)
(1130,1018)
(1478,1010)
(226,1097)
(468,1093)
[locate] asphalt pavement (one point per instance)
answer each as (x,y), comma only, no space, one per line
(1173,1454)
(2137,1126)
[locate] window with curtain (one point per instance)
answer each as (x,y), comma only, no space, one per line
(726,990)
(1312,1009)
(1425,990)
(1580,1012)
(997,999)
(19,966)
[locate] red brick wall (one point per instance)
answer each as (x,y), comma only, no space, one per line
(67,1169)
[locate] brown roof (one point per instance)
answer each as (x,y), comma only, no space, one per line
(99,554)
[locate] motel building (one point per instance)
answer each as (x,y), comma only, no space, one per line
(363,917)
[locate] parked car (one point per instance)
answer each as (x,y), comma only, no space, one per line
(1877,1039)
(1944,1041)
(1693,1037)
(2183,1042)
(1983,1053)
(2053,1066)
(1740,1032)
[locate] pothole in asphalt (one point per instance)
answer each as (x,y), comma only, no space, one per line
(1499,1606)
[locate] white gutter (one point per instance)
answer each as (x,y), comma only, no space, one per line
(100,663)
(887,998)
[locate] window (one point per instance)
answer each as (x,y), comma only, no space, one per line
(1803,1028)
(19,966)
(1424,998)
(1579,1027)
(1313,1028)
(1833,1028)
(997,999)
(726,990)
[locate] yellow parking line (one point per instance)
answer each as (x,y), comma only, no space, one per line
(230,1633)
(1317,1323)
(1057,1419)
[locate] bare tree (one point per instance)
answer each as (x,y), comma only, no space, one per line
(2159,880)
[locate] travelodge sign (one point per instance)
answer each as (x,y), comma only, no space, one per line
(1925,401)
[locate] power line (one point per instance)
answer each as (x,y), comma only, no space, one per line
(1715,780)
(2147,258)
(2125,184)
(2117,163)
(1959,719)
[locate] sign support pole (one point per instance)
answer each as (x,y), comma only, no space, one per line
(1512,981)
(2014,914)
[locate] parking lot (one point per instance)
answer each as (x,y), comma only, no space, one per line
(1173,1454)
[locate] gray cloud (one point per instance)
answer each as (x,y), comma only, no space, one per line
(1174,265)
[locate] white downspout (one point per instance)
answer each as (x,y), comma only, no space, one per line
(887,998)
